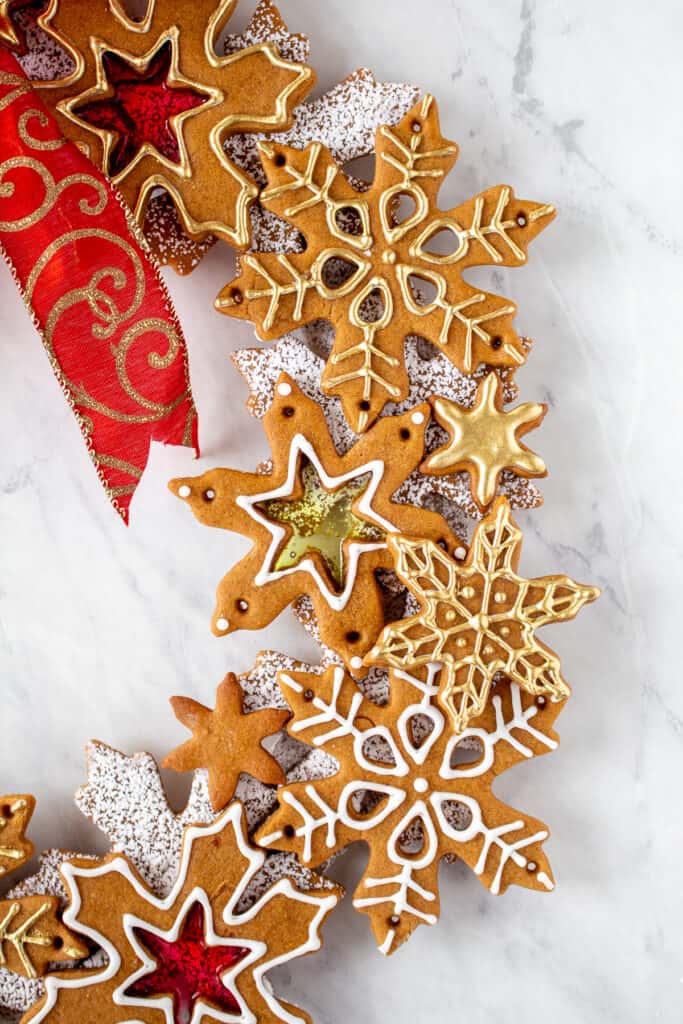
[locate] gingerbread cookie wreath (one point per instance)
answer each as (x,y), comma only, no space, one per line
(383,517)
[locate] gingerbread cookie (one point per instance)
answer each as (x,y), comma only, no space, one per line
(318,520)
(478,618)
(193,954)
(485,440)
(15,848)
(227,742)
(431,373)
(344,119)
(152,103)
(371,265)
(412,791)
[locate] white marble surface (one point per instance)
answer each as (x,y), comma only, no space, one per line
(576,103)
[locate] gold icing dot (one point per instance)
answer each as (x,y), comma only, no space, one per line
(505,631)
(451,615)
(468,592)
(389,256)
(488,649)
(499,598)
(461,642)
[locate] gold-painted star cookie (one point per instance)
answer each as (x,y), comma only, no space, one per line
(226,742)
(485,440)
(479,617)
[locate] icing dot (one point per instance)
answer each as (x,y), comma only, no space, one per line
(541,702)
(531,867)
(184,491)
(451,615)
(223,625)
(461,642)
(499,598)
(210,494)
(308,695)
(468,592)
(418,418)
(420,785)
(356,662)
(284,389)
(488,650)
(389,256)
(505,631)
(394,920)
(460,553)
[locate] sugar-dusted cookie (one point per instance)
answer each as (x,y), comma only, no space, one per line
(152,102)
(227,742)
(375,265)
(318,521)
(485,440)
(478,618)
(193,953)
(412,791)
(431,373)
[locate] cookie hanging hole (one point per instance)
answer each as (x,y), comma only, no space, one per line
(496,342)
(353,636)
(57,942)
(308,696)
(364,405)
(280,160)
(288,411)
(236,296)
(405,434)
(289,831)
(416,127)
(242,605)
(6,811)
(522,220)
(209,494)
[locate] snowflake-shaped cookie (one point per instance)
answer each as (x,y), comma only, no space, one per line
(479,617)
(374,269)
(152,103)
(193,954)
(413,791)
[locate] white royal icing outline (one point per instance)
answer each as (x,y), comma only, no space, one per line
(302,446)
(423,804)
(255,860)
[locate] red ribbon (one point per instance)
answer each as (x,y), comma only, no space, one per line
(94,295)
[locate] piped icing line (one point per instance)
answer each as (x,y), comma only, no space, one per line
(255,859)
(302,446)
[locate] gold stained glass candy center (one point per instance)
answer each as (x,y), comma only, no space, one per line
(321,520)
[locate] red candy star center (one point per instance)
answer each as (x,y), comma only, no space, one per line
(141,108)
(189,969)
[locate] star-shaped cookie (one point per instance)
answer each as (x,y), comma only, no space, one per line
(226,741)
(485,440)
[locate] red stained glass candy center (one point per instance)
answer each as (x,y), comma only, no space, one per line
(140,108)
(188,969)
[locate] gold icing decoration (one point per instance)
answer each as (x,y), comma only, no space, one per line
(485,440)
(32,936)
(211,194)
(478,618)
(373,268)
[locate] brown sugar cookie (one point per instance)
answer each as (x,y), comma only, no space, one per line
(485,440)
(15,814)
(226,742)
(412,791)
(32,936)
(373,266)
(478,618)
(318,520)
(195,953)
(151,103)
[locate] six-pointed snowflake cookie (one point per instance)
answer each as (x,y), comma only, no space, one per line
(373,264)
(413,791)
(192,954)
(479,617)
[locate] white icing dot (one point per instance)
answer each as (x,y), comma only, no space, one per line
(460,554)
(420,785)
(418,418)
(284,389)
(210,495)
(184,491)
(356,662)
(223,625)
